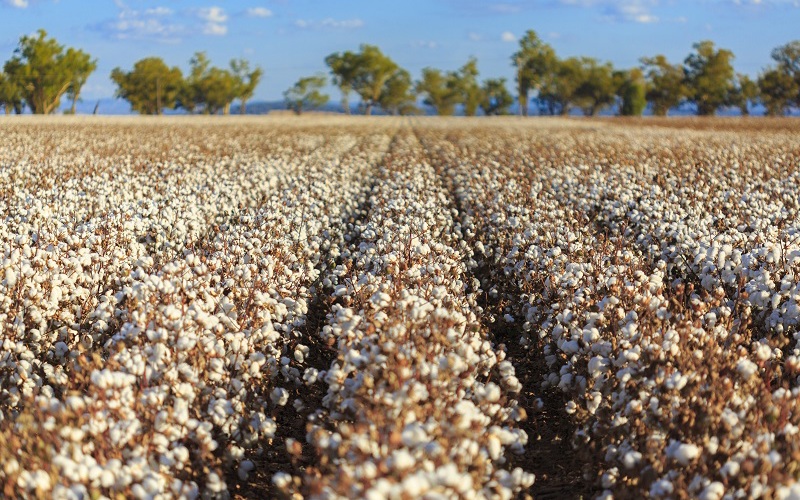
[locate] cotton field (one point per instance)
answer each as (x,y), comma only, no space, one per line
(405,308)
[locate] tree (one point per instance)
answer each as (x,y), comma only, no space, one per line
(83,66)
(344,68)
(535,62)
(558,89)
(10,95)
(43,71)
(466,82)
(632,90)
(246,81)
(788,59)
(778,90)
(665,86)
(709,77)
(306,95)
(190,96)
(374,70)
(212,89)
(744,93)
(397,96)
(596,87)
(218,88)
(495,97)
(440,90)
(150,87)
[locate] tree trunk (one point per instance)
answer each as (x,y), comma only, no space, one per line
(243,107)
(74,100)
(226,110)
(345,105)
(368,110)
(523,102)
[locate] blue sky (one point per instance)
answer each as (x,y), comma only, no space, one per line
(290,38)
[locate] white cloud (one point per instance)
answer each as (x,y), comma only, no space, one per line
(258,12)
(633,10)
(636,11)
(149,24)
(163,24)
(330,23)
(212,14)
(215,29)
(346,23)
(475,37)
(508,36)
(19,4)
(214,19)
(159,11)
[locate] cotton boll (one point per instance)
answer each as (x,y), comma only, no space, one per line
(279,396)
(746,368)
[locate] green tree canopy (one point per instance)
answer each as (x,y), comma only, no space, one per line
(466,82)
(632,92)
(10,95)
(744,94)
(374,70)
(495,97)
(44,71)
(558,90)
(440,91)
(778,90)
(150,87)
(709,77)
(83,66)
(665,84)
(397,96)
(536,63)
(246,80)
(306,94)
(596,87)
(344,68)
(788,59)
(209,88)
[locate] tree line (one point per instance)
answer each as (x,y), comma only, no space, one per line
(42,71)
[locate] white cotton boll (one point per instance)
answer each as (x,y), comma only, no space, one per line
(571,407)
(107,478)
(713,491)
(593,402)
(244,469)
(279,396)
(492,392)
(11,278)
(746,368)
(310,375)
(281,480)
(300,353)
(683,453)
(661,488)
(763,351)
(631,459)
(401,460)
(791,492)
(609,479)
